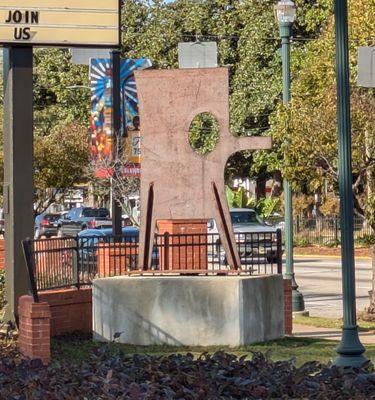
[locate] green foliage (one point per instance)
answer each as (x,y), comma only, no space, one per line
(60,159)
(57,99)
(266,207)
(302,205)
(301,242)
(239,198)
(310,154)
(366,240)
(332,243)
(204,133)
(248,40)
(330,206)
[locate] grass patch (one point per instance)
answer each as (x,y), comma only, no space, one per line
(333,323)
(77,349)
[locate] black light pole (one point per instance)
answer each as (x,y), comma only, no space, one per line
(116,137)
(350,351)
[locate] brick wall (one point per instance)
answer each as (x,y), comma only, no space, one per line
(71,310)
(58,312)
(288,312)
(190,256)
(116,258)
(34,329)
(2,254)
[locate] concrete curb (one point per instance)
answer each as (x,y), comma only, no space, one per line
(328,256)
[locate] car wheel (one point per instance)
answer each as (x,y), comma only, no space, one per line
(271,258)
(36,234)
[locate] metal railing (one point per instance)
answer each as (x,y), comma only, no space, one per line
(326,231)
(75,262)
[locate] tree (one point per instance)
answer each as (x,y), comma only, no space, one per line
(57,99)
(60,159)
(305,131)
(248,39)
(109,173)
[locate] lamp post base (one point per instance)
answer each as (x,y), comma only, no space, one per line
(298,303)
(350,350)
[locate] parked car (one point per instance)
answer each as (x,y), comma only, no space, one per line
(89,240)
(253,237)
(46,225)
(81,218)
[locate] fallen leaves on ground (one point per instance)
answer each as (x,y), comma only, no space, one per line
(211,376)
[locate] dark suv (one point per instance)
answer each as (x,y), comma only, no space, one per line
(81,218)
(46,225)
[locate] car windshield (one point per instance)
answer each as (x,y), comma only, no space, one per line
(95,212)
(52,217)
(245,217)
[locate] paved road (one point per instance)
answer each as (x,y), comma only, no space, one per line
(319,280)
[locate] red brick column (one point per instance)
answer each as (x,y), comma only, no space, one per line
(288,312)
(34,329)
(192,254)
(116,259)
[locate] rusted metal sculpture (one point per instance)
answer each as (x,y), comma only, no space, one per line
(177,182)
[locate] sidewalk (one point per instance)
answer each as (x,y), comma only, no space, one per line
(328,333)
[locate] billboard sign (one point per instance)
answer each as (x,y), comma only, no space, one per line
(197,55)
(366,67)
(60,23)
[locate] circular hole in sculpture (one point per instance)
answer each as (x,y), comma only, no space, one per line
(204,133)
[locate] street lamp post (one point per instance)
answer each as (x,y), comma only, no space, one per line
(350,351)
(285,12)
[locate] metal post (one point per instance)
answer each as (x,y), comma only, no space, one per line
(18,169)
(350,351)
(298,304)
(279,252)
(166,251)
(116,136)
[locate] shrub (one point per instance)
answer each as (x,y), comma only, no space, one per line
(366,240)
(332,243)
(301,242)
(209,376)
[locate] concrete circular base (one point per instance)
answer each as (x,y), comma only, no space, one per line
(301,313)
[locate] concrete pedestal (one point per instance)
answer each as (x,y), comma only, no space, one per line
(192,311)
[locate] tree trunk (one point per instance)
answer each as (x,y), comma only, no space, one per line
(261,187)
(277,184)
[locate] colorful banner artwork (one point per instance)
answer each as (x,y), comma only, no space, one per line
(101,109)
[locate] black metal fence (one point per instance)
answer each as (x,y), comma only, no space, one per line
(327,232)
(67,262)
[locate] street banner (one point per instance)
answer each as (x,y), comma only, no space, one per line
(101,111)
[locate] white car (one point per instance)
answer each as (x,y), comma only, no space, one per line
(253,237)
